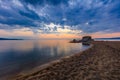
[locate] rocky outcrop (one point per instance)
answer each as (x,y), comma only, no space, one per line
(74,41)
(86,40)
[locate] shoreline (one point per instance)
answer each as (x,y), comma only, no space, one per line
(38,68)
(43,72)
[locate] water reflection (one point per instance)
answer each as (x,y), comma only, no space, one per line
(17,56)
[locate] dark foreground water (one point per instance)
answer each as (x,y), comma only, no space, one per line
(21,55)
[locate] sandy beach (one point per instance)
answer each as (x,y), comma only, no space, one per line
(100,62)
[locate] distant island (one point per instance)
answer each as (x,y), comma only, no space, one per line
(10,39)
(109,38)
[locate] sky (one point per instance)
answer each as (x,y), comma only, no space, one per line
(59,18)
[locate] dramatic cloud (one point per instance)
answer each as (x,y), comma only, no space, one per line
(61,16)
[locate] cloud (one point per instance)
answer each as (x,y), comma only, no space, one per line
(52,16)
(42,2)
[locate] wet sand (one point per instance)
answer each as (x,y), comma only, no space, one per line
(100,62)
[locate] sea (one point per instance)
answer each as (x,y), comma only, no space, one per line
(18,56)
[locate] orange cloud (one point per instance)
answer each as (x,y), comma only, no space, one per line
(25,32)
(58,36)
(105,35)
(16,32)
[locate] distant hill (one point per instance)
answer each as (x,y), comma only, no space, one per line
(9,39)
(109,38)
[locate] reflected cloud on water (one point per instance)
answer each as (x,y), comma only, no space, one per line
(20,55)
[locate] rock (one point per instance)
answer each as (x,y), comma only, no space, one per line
(74,41)
(86,40)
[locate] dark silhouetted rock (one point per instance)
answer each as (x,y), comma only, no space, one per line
(74,41)
(86,40)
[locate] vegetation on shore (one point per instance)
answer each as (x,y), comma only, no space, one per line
(101,62)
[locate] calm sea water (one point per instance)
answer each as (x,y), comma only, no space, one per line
(20,55)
